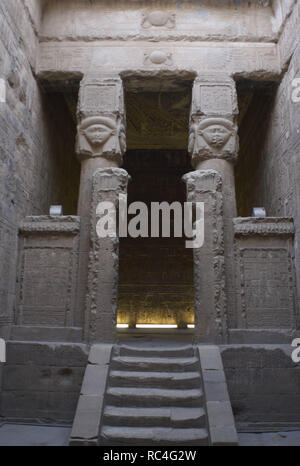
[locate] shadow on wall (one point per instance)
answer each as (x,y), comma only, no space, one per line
(256,101)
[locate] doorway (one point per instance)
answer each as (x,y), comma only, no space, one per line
(156,274)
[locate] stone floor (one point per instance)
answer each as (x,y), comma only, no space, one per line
(270,439)
(32,435)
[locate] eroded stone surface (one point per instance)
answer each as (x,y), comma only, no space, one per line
(265,271)
(209,275)
(102,296)
(48,271)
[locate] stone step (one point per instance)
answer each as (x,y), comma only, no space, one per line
(147,417)
(171,352)
(155,379)
(156,397)
(155,364)
(152,436)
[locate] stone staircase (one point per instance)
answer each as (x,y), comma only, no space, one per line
(154,393)
(154,397)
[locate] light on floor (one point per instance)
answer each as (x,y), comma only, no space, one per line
(156,326)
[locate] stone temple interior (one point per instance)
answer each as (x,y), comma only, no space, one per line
(141,340)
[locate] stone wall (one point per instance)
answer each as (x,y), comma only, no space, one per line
(253,126)
(268,170)
(42,381)
(47,275)
(262,380)
(265,279)
(264,385)
(36,141)
(278,180)
(279,167)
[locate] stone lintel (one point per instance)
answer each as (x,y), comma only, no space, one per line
(270,226)
(57,60)
(48,224)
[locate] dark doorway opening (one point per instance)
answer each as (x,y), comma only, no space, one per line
(156,274)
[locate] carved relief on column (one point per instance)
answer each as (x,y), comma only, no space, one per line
(209,262)
(103,269)
(101,119)
(213,129)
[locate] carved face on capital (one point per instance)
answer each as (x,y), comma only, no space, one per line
(98,130)
(216,135)
(98,134)
(101,136)
(212,132)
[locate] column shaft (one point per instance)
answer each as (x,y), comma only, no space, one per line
(209,278)
(213,146)
(103,265)
(101,143)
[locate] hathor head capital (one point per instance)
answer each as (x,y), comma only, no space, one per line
(98,129)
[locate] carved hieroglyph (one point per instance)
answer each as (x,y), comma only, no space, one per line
(265,272)
(101,119)
(158,57)
(158,19)
(101,95)
(48,271)
(214,95)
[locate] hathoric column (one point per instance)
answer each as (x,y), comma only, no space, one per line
(101,143)
(213,147)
